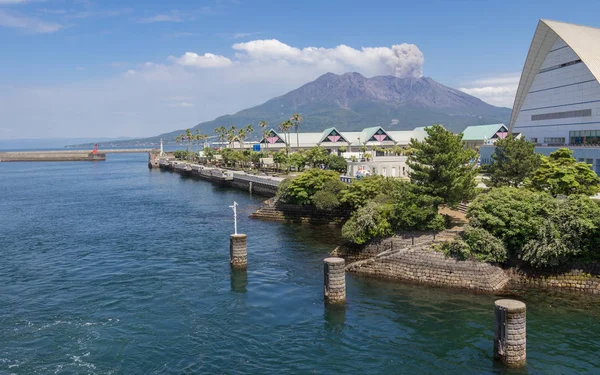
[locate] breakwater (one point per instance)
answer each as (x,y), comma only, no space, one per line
(66,155)
(261,185)
(51,156)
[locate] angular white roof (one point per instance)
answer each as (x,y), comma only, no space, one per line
(583,40)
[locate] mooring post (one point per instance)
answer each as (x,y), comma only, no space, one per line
(250,188)
(510,344)
(238,251)
(334,280)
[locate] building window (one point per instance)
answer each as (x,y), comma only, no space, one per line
(559,66)
(584,137)
(534,140)
(554,141)
(561,115)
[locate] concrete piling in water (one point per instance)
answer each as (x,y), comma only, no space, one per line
(335,280)
(510,344)
(238,252)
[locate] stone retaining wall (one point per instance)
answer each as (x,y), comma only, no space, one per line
(425,266)
(397,258)
(400,241)
(277,211)
(575,278)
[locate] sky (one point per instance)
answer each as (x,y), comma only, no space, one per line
(91,68)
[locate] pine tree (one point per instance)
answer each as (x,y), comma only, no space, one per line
(441,167)
(513,161)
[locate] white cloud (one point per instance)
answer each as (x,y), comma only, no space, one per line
(500,90)
(208,60)
(34,25)
(190,88)
(403,60)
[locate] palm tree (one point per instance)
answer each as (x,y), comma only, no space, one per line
(197,138)
(222,134)
(263,124)
(231,136)
(285,127)
(241,137)
(189,136)
(296,120)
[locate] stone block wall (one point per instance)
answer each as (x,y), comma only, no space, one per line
(430,267)
(277,211)
(400,241)
(583,278)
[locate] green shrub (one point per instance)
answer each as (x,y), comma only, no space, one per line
(457,249)
(510,214)
(416,211)
(368,222)
(282,190)
(337,163)
(483,246)
(303,187)
(570,232)
(366,189)
(327,198)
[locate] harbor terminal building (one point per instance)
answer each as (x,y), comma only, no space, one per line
(558,98)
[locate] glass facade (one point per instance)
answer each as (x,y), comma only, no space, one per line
(584,137)
(554,141)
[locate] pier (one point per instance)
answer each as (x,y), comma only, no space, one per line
(70,155)
(262,185)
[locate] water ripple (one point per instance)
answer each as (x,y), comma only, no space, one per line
(110,268)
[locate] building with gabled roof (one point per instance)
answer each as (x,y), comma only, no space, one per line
(332,139)
(477,135)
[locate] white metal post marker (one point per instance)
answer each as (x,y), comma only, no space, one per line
(234,206)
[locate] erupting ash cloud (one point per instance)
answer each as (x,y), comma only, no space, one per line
(400,60)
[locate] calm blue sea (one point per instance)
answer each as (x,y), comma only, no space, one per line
(112,268)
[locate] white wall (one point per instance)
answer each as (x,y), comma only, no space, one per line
(387,166)
(556,91)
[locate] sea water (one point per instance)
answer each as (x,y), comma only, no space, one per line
(112,268)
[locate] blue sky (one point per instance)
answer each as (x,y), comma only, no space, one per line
(78,68)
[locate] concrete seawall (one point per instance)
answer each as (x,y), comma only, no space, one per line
(261,185)
(51,156)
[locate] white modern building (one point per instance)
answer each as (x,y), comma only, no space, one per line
(332,139)
(558,97)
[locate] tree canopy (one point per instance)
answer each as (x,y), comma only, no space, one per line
(442,167)
(513,161)
(560,173)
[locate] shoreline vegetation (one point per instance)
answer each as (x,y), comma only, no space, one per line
(535,221)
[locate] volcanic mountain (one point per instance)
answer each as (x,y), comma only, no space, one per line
(352,102)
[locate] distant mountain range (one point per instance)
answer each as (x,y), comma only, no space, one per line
(352,102)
